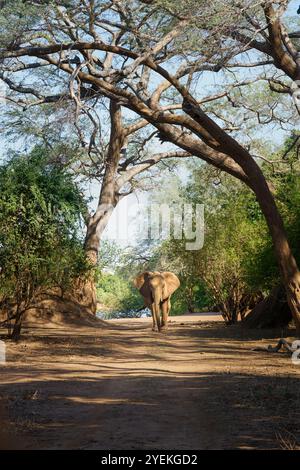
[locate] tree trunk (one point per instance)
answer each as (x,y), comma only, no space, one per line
(85,289)
(272,312)
(108,199)
(248,302)
(17,325)
(220,141)
(288,266)
(215,137)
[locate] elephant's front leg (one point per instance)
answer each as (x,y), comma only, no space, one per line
(165,308)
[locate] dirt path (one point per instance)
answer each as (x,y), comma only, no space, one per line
(199,386)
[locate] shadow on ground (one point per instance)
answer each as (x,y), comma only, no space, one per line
(134,389)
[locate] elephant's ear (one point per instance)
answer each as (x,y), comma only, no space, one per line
(140,279)
(172,281)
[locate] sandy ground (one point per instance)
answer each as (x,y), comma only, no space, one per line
(122,386)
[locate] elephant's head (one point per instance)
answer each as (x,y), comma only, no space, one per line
(169,282)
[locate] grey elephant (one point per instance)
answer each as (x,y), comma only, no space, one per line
(156,288)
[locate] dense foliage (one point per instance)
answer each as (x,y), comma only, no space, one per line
(117,293)
(40,246)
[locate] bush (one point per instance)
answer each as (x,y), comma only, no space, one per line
(118,294)
(40,209)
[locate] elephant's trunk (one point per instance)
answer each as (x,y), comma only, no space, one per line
(156,287)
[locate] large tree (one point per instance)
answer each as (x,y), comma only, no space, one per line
(84,130)
(149,57)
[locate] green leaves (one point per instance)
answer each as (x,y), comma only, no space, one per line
(40,214)
(118,294)
(17,20)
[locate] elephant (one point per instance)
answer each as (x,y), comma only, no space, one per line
(156,288)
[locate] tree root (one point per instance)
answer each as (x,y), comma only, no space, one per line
(282,343)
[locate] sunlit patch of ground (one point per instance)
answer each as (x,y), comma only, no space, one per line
(198,386)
